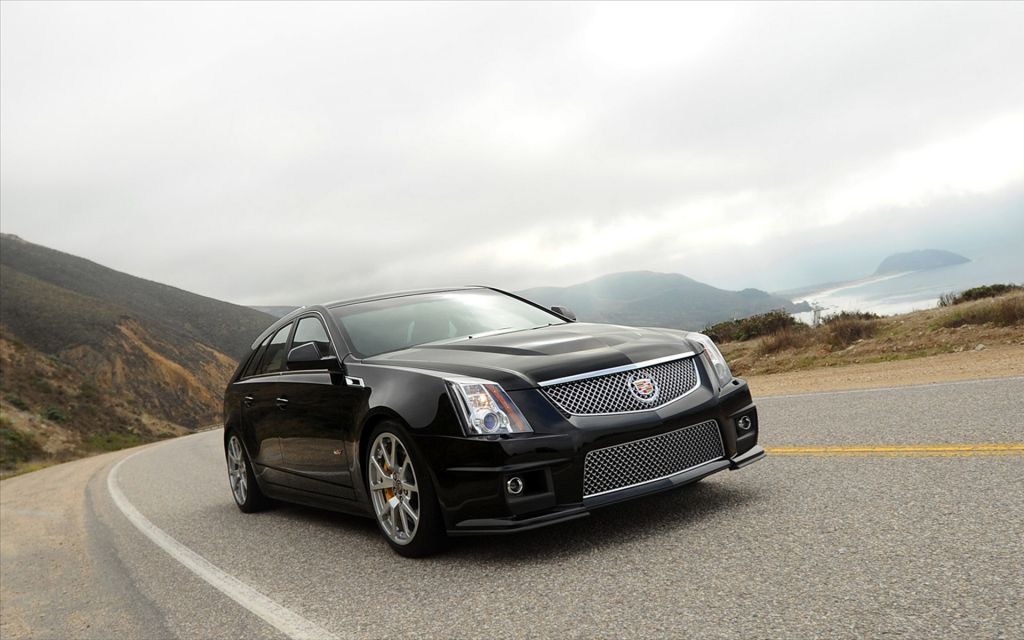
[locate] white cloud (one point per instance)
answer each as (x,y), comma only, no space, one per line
(652,37)
(521,144)
(986,158)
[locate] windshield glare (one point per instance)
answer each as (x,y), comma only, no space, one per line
(391,324)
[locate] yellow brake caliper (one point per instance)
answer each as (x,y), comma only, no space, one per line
(390,491)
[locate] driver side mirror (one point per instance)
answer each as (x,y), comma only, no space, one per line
(565,312)
(307,356)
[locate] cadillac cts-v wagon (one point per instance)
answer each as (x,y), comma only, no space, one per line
(473,411)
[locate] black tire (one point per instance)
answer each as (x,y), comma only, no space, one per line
(428,535)
(248,496)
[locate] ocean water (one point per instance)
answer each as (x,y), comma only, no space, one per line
(903,292)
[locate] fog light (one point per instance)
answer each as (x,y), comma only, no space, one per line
(744,423)
(515,485)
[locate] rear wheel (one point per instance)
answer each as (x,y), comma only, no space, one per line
(246,492)
(402,494)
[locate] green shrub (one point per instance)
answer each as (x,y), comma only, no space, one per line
(17,402)
(16,446)
(850,315)
(762,324)
(54,414)
(977,293)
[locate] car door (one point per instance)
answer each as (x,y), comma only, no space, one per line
(317,419)
(259,390)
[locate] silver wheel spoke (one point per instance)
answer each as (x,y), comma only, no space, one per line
(375,467)
(393,516)
(407,511)
(405,522)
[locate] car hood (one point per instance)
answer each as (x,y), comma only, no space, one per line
(524,359)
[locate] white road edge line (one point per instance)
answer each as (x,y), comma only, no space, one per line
(281,618)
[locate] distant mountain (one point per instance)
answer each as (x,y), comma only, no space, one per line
(93,358)
(276,311)
(647,298)
(919,260)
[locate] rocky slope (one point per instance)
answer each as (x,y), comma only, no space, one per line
(93,359)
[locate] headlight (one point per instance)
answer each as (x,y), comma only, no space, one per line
(486,408)
(713,356)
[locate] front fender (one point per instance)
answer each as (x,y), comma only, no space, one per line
(418,400)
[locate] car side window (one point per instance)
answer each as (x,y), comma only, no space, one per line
(273,357)
(310,329)
(254,361)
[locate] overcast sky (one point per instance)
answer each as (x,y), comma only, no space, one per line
(291,153)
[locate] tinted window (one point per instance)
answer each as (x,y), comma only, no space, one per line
(379,326)
(310,329)
(250,368)
(273,357)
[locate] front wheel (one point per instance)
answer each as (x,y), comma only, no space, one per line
(402,494)
(246,492)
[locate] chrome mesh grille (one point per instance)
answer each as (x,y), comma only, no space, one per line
(612,394)
(641,461)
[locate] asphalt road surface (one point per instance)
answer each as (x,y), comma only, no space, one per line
(863,523)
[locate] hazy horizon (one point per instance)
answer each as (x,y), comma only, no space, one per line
(272,154)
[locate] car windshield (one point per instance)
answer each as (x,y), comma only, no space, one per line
(391,324)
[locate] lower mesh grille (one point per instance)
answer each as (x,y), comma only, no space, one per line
(640,461)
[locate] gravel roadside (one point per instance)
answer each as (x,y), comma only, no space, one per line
(999,361)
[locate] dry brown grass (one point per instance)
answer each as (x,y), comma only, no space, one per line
(858,340)
(1002,312)
(787,338)
(844,331)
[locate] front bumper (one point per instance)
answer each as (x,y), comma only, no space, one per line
(470,474)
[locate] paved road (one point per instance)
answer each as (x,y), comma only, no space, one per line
(794,546)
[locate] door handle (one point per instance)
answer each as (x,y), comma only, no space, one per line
(282,403)
(248,400)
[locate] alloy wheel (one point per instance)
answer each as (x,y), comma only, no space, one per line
(237,470)
(393,488)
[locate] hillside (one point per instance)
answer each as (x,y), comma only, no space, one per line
(226,327)
(919,260)
(646,298)
(94,359)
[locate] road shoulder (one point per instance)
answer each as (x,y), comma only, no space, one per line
(1000,361)
(52,543)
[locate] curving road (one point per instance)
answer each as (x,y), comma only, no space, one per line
(918,543)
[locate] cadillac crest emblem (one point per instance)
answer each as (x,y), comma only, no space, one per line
(644,389)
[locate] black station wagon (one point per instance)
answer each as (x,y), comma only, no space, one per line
(473,411)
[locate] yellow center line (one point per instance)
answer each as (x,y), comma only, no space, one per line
(947,450)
